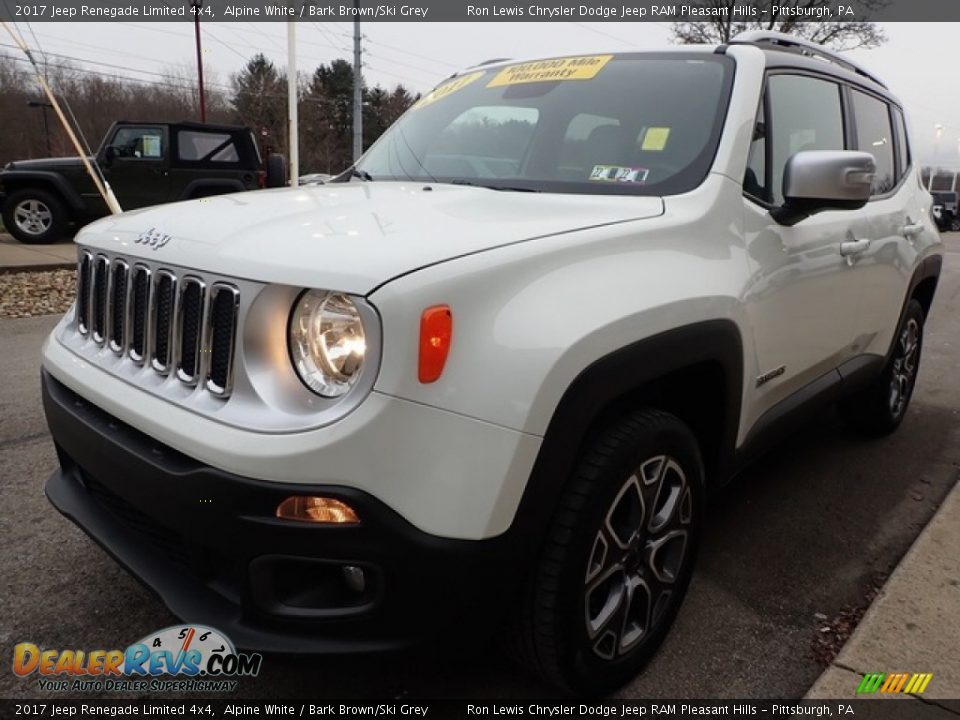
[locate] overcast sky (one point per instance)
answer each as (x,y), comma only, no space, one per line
(918,62)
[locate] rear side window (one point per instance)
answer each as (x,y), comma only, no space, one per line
(805,114)
(875,136)
(206,147)
(903,148)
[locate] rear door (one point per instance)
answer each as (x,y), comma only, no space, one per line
(802,301)
(895,221)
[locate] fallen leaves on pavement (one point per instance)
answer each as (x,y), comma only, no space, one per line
(28,294)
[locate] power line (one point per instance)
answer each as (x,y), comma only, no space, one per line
(115,76)
(605,34)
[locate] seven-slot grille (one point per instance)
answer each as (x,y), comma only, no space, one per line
(176,324)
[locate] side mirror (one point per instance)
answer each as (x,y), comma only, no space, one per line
(817,180)
(109,155)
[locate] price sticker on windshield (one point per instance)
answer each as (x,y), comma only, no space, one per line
(447,89)
(558,69)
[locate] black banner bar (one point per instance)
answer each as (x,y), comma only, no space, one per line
(477,10)
(874,709)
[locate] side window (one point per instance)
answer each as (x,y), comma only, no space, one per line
(755,177)
(144,143)
(805,114)
(903,147)
(204,146)
(874,135)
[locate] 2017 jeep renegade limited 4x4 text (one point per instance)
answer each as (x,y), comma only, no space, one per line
(485,378)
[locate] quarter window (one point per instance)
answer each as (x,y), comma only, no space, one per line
(204,146)
(875,136)
(903,149)
(755,178)
(805,114)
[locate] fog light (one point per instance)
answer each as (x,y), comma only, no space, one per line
(355,578)
(317,510)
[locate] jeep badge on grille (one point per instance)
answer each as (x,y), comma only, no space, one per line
(153,238)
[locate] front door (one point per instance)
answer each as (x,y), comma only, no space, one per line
(802,299)
(136,164)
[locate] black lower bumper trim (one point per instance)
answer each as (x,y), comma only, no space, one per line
(208,544)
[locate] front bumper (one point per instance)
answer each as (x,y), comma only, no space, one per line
(208,544)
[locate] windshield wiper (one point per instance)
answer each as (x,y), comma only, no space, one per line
(506,188)
(362,174)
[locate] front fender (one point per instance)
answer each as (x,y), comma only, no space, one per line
(13,180)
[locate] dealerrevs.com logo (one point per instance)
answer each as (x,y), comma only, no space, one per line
(181,658)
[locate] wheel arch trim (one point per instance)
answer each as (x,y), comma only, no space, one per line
(615,376)
(14,181)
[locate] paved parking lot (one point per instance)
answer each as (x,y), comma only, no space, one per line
(18,256)
(794,542)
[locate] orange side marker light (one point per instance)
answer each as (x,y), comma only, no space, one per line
(436,333)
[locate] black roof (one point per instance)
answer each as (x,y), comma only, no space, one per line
(188,124)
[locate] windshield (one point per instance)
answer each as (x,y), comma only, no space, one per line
(644,124)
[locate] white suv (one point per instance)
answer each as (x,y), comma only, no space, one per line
(485,378)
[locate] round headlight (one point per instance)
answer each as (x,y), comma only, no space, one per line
(327,342)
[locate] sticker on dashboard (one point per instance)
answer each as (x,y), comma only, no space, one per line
(618,173)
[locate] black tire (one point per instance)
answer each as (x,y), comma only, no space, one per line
(954,223)
(276,170)
(564,627)
(880,407)
(37,209)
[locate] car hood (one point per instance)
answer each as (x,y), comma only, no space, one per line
(46,163)
(350,237)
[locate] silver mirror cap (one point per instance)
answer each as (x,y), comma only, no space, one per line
(818,180)
(829,175)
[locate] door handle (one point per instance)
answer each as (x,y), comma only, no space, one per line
(911,229)
(853,247)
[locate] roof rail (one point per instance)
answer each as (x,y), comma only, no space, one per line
(804,47)
(491,61)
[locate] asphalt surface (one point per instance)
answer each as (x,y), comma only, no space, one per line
(804,534)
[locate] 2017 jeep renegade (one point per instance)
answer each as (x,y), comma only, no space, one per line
(485,378)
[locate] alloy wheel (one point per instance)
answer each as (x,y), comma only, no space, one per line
(637,557)
(904,367)
(32,217)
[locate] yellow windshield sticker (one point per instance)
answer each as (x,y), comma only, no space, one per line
(447,89)
(655,138)
(571,68)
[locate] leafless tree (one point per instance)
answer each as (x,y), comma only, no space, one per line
(837,34)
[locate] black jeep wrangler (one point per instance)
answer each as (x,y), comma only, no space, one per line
(145,164)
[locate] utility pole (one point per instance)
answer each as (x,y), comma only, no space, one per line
(46,127)
(357,91)
(197,5)
(293,132)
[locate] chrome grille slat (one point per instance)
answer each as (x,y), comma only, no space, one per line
(220,337)
(186,326)
(100,291)
(140,301)
(189,328)
(118,311)
(84,270)
(162,312)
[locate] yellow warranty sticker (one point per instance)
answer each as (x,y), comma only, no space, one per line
(571,68)
(655,138)
(447,89)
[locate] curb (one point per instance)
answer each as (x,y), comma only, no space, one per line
(840,679)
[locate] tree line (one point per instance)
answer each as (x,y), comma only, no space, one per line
(255,96)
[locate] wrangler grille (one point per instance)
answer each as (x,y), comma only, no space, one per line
(176,323)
